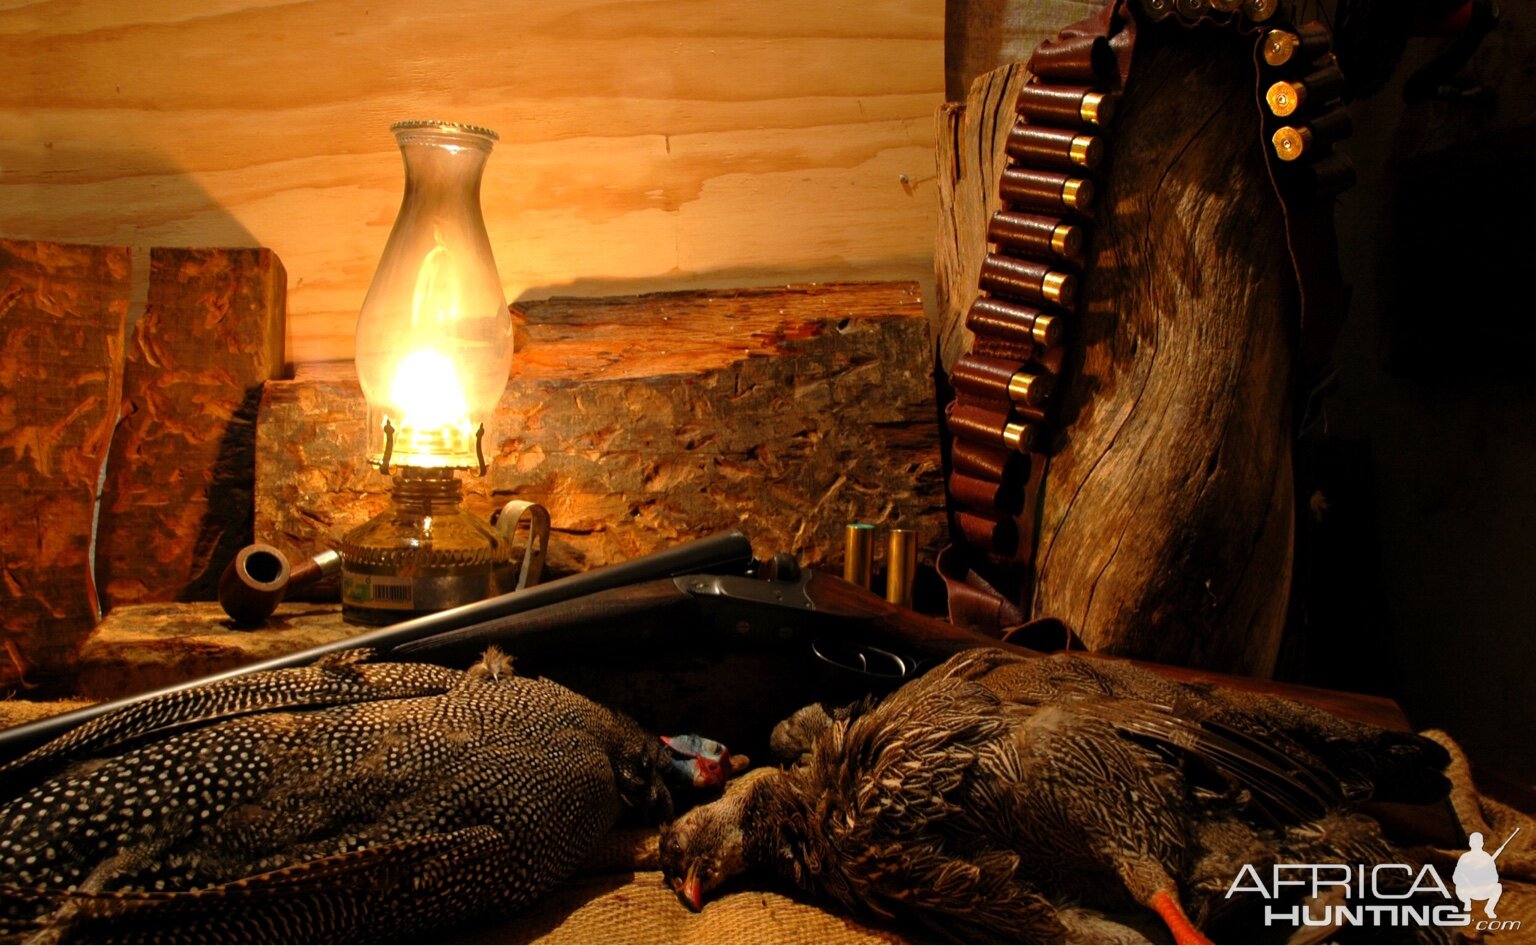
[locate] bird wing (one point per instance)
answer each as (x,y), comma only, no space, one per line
(433,880)
(1282,785)
(901,762)
(1252,746)
(1359,760)
(341,678)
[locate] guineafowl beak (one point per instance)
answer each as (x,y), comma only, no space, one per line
(689,890)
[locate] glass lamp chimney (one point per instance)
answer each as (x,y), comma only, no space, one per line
(434,338)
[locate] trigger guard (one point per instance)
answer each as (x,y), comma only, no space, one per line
(864,661)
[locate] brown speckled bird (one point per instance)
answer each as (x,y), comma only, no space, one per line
(342,801)
(1000,797)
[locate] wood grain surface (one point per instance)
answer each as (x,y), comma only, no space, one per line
(643,421)
(645,144)
(62,311)
(1168,518)
(177,500)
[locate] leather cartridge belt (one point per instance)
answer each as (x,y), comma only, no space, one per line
(1003,418)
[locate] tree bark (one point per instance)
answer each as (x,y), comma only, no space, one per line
(62,311)
(177,503)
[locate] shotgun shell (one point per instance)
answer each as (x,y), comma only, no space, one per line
(1077,193)
(993,427)
(900,566)
(995,379)
(1192,9)
(1027,280)
(1284,97)
(1033,234)
(858,557)
(1040,146)
(1260,10)
(1031,389)
(988,316)
(1050,104)
(1226,6)
(1051,191)
(1279,46)
(1097,109)
(1156,9)
(1086,151)
(1020,437)
(1308,42)
(1060,288)
(1290,142)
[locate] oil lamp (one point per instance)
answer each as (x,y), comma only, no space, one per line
(434,347)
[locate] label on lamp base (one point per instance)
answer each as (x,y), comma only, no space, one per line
(368,597)
(378,591)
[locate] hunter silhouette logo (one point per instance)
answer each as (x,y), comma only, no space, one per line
(1477,875)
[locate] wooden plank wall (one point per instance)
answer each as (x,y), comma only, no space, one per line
(645,145)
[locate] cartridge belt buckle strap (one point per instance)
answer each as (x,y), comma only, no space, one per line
(1001,422)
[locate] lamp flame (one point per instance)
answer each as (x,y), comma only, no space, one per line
(426,386)
(436,415)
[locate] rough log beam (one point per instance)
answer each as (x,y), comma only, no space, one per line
(643,421)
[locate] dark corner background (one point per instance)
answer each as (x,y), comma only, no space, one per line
(1429,439)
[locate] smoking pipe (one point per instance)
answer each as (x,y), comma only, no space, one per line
(259,577)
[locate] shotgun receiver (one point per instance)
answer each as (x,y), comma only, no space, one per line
(729,655)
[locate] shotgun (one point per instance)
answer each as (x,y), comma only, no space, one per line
(729,655)
(814,616)
(691,651)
